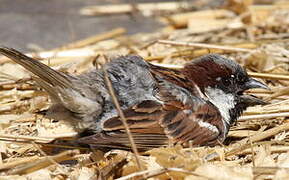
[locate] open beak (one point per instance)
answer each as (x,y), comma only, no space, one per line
(253,83)
(251,100)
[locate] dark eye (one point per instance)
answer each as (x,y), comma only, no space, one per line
(226,81)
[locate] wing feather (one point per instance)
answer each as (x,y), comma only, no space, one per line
(159,127)
(177,115)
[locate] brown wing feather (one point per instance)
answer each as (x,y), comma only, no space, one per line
(201,126)
(159,127)
(178,115)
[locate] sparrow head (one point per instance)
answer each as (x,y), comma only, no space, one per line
(223,81)
(216,71)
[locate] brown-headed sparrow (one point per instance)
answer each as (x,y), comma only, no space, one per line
(196,104)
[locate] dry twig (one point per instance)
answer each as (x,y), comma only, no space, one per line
(94,39)
(127,8)
(123,119)
(44,162)
(152,173)
(202,45)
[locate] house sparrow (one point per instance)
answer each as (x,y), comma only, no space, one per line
(196,104)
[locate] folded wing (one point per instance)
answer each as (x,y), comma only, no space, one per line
(175,116)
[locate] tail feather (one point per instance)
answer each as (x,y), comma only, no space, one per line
(68,90)
(41,70)
(118,139)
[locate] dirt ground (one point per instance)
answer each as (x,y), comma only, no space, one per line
(52,23)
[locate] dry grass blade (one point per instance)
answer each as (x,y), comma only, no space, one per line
(269,76)
(44,162)
(49,158)
(123,119)
(110,170)
(20,138)
(15,163)
(260,137)
(152,173)
(268,170)
(127,8)
(202,45)
(264,116)
(92,40)
(273,148)
(70,53)
(245,143)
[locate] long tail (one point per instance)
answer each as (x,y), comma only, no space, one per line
(44,72)
(68,90)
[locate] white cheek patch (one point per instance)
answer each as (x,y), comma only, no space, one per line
(224,102)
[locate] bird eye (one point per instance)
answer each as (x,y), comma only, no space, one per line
(226,82)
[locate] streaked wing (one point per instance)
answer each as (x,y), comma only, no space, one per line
(159,128)
(175,116)
(199,127)
(187,116)
(143,122)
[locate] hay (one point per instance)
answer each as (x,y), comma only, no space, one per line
(256,36)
